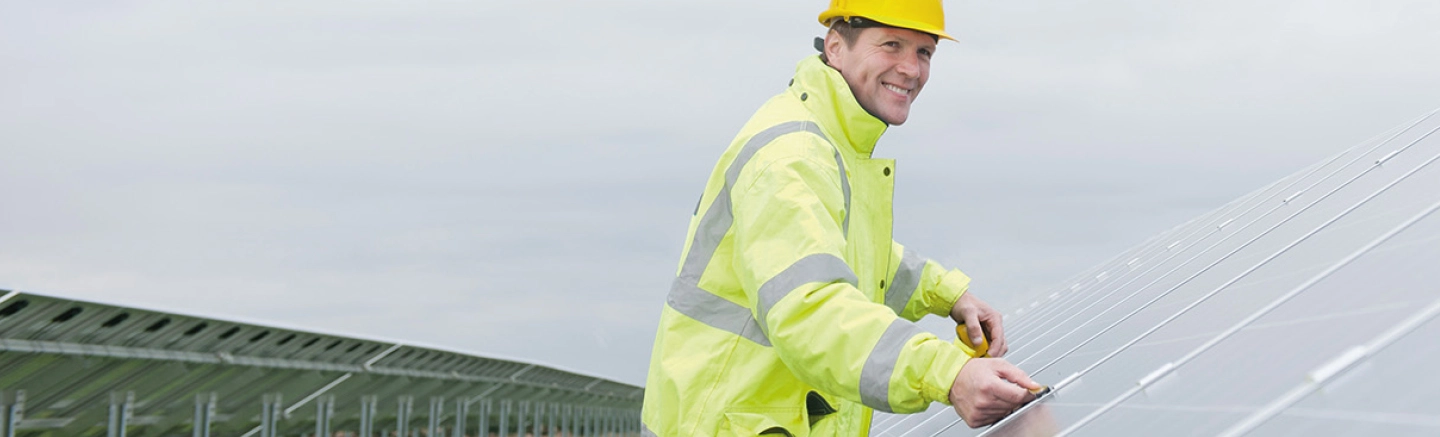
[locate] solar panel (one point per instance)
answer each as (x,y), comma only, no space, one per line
(1216,324)
(1375,388)
(77,368)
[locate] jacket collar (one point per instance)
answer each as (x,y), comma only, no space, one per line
(834,107)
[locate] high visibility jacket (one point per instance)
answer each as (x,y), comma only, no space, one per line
(792,309)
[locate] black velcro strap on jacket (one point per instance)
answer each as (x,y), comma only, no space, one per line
(817,406)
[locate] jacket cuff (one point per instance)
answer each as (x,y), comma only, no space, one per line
(942,374)
(953,284)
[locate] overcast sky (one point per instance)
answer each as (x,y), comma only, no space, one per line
(514,178)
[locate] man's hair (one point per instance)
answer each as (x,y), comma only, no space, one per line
(847,33)
(849,30)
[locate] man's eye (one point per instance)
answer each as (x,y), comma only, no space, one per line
(925,54)
(891,44)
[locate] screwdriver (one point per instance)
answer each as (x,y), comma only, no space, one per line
(962,340)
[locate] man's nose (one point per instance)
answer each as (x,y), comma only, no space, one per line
(909,66)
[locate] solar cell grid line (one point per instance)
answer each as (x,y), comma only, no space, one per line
(1388,136)
(1023,343)
(1065,308)
(1069,313)
(881,420)
(1304,174)
(1389,393)
(1293,179)
(1023,315)
(932,420)
(1273,255)
(906,421)
(1334,369)
(1070,295)
(1092,303)
(1262,361)
(1252,240)
(1273,304)
(1088,277)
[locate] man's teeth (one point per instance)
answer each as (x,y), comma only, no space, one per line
(897,89)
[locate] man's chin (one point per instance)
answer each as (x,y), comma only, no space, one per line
(894,120)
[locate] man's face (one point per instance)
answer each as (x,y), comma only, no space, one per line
(885,68)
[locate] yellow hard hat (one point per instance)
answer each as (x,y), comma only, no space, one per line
(919,15)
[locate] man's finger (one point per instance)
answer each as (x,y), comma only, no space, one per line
(997,338)
(994,412)
(998,347)
(972,325)
(1011,395)
(982,420)
(1013,374)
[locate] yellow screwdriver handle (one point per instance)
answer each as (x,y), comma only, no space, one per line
(962,340)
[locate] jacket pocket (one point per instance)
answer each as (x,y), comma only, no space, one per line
(751,422)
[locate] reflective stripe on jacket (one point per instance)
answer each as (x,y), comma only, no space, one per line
(792,308)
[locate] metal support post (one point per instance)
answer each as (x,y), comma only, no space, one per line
(576,413)
(324,410)
(367,415)
(567,419)
(212,408)
(550,424)
(462,409)
(528,418)
(14,411)
(204,414)
(405,405)
(504,418)
(437,409)
(277,413)
(265,416)
(485,409)
(520,414)
(122,408)
(537,411)
(269,414)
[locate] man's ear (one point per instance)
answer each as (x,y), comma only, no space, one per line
(834,48)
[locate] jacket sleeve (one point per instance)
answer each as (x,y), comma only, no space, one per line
(789,208)
(920,286)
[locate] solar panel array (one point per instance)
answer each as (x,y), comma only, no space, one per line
(1305,308)
(73,368)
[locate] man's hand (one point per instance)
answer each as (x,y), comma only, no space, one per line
(988,389)
(982,321)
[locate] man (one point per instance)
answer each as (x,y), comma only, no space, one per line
(792,309)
